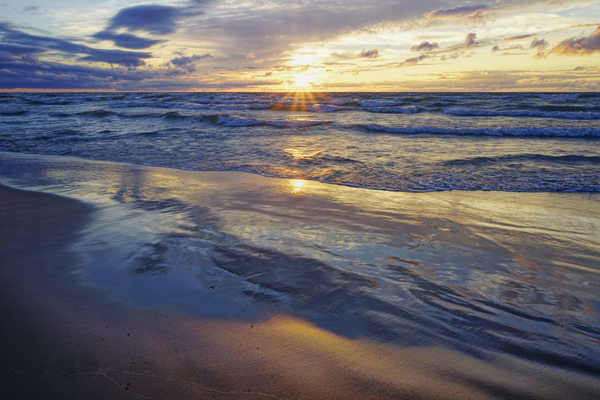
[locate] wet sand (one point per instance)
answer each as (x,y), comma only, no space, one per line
(61,339)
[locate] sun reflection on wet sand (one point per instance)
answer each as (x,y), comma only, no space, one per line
(297,185)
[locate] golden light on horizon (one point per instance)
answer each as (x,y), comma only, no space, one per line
(303,80)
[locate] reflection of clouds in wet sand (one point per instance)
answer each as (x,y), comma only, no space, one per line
(343,267)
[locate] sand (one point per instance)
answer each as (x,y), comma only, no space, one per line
(60,338)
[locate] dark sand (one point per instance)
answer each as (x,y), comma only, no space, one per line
(62,340)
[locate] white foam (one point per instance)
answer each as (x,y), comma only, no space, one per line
(327,108)
(522,113)
(500,131)
(240,121)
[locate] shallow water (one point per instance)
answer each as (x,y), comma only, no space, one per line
(479,272)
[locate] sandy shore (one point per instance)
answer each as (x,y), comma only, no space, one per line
(62,339)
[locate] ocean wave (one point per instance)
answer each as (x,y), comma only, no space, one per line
(327,108)
(559,96)
(226,120)
(189,106)
(12,112)
(57,102)
(521,113)
(499,131)
(566,159)
(376,103)
(394,110)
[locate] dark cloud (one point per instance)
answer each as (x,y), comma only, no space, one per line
(470,40)
(373,53)
(157,20)
(413,61)
(124,58)
(21,40)
(495,49)
(538,44)
(57,76)
(183,61)
(425,46)
(519,37)
(581,46)
(20,50)
(6,56)
(455,12)
(151,19)
(127,40)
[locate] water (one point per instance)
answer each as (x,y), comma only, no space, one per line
(403,142)
(513,270)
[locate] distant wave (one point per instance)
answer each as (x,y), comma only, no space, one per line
(537,131)
(226,120)
(522,113)
(12,112)
(559,96)
(372,103)
(106,113)
(394,110)
(188,106)
(567,159)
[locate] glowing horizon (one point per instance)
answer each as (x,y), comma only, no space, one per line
(227,45)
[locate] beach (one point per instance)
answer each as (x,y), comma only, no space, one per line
(124,281)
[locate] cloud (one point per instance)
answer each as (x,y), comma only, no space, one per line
(425,46)
(413,61)
(183,61)
(373,53)
(20,50)
(250,55)
(470,40)
(538,44)
(455,12)
(283,27)
(514,47)
(154,19)
(581,46)
(346,55)
(151,19)
(29,59)
(31,43)
(127,40)
(476,19)
(519,37)
(6,56)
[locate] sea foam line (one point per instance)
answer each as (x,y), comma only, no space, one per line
(500,131)
(522,113)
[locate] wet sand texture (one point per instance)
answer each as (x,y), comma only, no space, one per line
(61,340)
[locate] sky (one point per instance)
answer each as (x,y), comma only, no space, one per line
(316,45)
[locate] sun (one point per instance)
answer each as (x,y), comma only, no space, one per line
(303,80)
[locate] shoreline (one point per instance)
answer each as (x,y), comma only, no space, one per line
(66,338)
